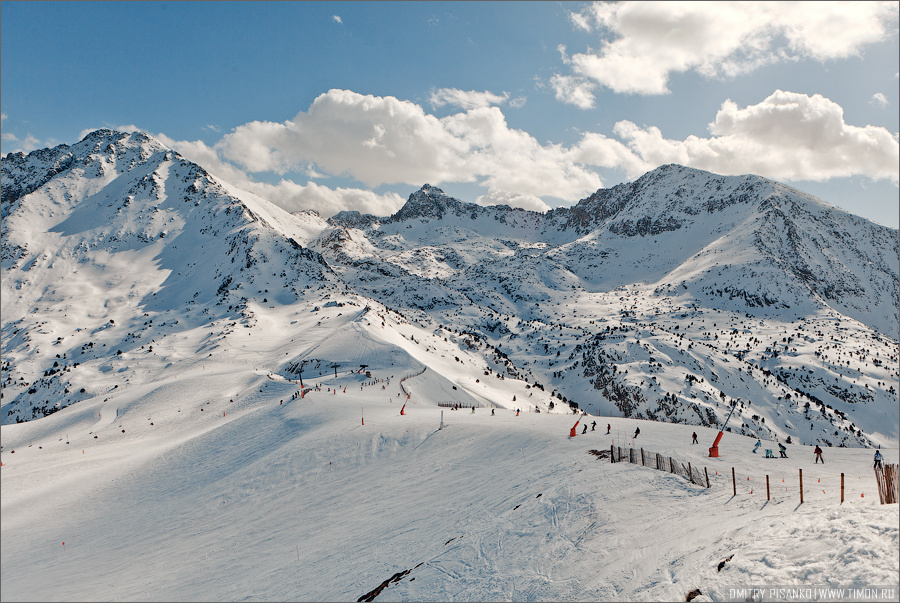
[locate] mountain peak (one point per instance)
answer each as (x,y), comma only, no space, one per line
(428,202)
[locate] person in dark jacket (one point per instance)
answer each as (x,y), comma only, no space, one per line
(818,452)
(695,439)
(782,450)
(637,431)
(608,427)
(593,425)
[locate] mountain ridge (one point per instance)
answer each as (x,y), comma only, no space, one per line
(670,298)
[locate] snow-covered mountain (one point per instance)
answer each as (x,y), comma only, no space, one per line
(116,245)
(205,397)
(760,292)
(670,298)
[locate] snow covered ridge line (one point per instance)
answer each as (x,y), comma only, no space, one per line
(673,298)
(116,242)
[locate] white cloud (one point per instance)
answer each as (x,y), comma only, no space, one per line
(523,200)
(465,99)
(23,145)
(337,19)
(384,140)
(575,90)
(286,194)
(124,128)
(788,136)
(3,117)
(651,40)
(879,99)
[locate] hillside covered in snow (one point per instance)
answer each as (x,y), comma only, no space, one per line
(207,397)
(671,298)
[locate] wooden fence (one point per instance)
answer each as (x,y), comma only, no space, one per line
(888,486)
(461,405)
(639,456)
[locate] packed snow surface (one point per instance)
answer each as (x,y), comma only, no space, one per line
(222,484)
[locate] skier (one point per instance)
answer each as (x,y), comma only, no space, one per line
(492,412)
(517,412)
(878,458)
(608,427)
(695,439)
(758,444)
(637,431)
(782,450)
(818,452)
(473,409)
(584,431)
(593,425)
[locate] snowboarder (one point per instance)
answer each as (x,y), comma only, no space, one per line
(695,439)
(818,452)
(593,425)
(608,427)
(473,409)
(517,412)
(782,450)
(756,447)
(878,459)
(584,431)
(636,432)
(492,412)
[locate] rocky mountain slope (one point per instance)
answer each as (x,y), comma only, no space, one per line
(673,298)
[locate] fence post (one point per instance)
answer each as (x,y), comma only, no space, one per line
(671,465)
(642,457)
(891,482)
(733,481)
(801,486)
(612,453)
(842,488)
(706,473)
(690,473)
(768,497)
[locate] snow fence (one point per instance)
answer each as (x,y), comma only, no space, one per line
(654,460)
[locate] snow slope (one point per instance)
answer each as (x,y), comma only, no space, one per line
(326,497)
(157,324)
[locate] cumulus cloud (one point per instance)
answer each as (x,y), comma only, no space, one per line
(788,136)
(644,42)
(123,128)
(523,200)
(385,140)
(575,90)
(287,194)
(879,99)
(14,144)
(465,99)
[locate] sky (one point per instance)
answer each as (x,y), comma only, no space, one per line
(337,106)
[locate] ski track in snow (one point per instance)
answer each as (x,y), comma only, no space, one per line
(219,509)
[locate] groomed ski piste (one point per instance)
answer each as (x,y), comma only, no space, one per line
(210,478)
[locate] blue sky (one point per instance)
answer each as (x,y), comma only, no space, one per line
(334,106)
